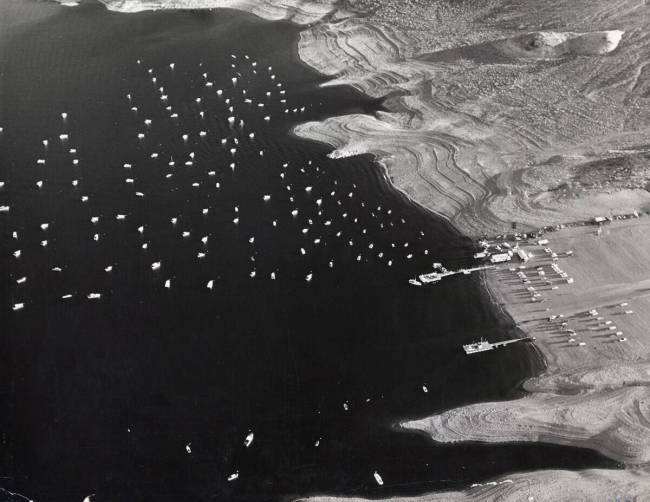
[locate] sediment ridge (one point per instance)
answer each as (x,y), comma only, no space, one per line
(551,485)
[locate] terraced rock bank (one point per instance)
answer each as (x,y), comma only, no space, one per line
(489,115)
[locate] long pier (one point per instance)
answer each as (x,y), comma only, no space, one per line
(439,275)
(482,346)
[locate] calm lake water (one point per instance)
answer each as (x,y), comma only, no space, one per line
(288,313)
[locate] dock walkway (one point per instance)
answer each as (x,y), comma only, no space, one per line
(483,345)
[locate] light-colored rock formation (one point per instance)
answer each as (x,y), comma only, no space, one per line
(297,11)
(540,486)
(614,422)
(481,102)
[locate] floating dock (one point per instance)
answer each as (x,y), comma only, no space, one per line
(483,345)
(439,275)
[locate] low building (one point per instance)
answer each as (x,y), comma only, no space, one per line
(523,255)
(500,257)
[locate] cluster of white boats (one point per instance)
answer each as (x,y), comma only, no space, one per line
(328,213)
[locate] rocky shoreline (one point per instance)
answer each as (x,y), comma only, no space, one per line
(551,485)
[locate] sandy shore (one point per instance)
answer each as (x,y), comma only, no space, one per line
(542,486)
(591,321)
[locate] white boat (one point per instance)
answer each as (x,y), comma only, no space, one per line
(249,439)
(378,478)
(415,282)
(94,296)
(18,306)
(155,265)
(233,476)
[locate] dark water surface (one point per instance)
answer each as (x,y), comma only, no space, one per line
(105,396)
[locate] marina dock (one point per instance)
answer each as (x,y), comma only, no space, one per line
(438,275)
(484,345)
